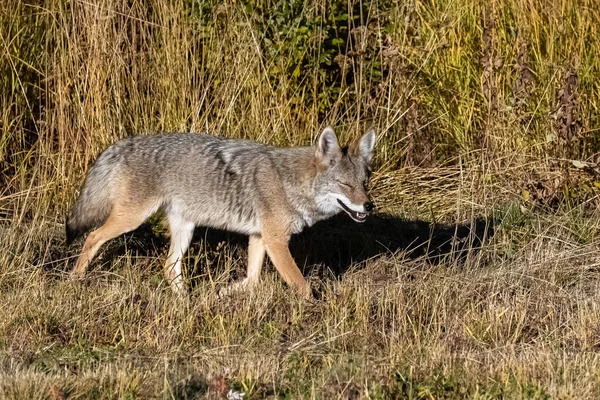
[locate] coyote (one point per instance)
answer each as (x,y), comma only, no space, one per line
(266,192)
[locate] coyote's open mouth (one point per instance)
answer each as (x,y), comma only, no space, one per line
(355,215)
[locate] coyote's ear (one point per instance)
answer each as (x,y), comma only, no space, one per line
(366,146)
(328,149)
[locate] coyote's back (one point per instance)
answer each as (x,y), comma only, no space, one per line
(206,178)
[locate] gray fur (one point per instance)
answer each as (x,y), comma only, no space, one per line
(216,182)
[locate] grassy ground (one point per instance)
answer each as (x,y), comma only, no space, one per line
(478,277)
(503,303)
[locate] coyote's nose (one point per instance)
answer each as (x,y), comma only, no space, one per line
(369,206)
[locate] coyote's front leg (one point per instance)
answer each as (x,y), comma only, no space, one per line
(256,257)
(276,242)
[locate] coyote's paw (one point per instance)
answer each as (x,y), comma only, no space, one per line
(76,275)
(306,292)
(236,287)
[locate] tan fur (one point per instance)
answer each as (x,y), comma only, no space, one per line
(276,232)
(121,220)
(276,242)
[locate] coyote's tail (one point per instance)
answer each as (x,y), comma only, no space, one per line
(94,204)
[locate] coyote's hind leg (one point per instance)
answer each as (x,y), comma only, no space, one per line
(121,220)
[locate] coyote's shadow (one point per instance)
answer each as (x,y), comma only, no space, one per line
(334,244)
(339,242)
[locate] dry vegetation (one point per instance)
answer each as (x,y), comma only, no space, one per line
(479,278)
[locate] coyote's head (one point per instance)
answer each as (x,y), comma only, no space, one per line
(341,183)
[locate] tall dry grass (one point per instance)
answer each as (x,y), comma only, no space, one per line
(480,282)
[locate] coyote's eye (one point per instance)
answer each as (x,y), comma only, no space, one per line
(345,184)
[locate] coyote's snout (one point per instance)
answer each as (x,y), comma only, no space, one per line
(243,186)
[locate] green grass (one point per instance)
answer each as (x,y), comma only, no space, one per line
(478,279)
